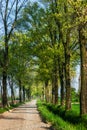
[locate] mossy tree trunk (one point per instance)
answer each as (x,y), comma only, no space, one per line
(67,72)
(4,73)
(20,91)
(53,90)
(55,81)
(28,93)
(43,93)
(10,79)
(23,94)
(46,91)
(83,50)
(62,83)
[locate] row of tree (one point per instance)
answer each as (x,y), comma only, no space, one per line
(60,36)
(9,15)
(47,45)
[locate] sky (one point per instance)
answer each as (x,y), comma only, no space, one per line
(75,81)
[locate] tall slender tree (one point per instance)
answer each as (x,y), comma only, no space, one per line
(9,20)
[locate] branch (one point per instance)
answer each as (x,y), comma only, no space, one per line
(5,17)
(16,16)
(10,9)
(23,3)
(1,10)
(73,46)
(6,10)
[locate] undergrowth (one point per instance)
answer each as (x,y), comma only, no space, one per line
(50,114)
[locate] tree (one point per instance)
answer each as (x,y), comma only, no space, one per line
(80,22)
(33,15)
(9,23)
(11,84)
(83,51)
(64,38)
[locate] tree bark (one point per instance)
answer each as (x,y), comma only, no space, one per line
(46,91)
(53,90)
(4,95)
(62,84)
(83,92)
(23,93)
(28,93)
(5,68)
(68,86)
(12,90)
(1,89)
(56,86)
(12,94)
(20,92)
(67,72)
(43,93)
(55,81)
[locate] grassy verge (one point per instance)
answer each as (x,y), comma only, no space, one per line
(12,106)
(72,116)
(57,122)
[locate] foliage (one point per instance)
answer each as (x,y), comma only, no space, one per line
(57,122)
(74,95)
(71,116)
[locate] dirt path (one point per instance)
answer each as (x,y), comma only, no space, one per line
(25,117)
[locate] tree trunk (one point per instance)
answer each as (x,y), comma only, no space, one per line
(28,93)
(43,93)
(23,93)
(61,75)
(67,72)
(53,90)
(5,67)
(10,79)
(12,93)
(83,50)
(1,89)
(4,95)
(46,91)
(55,82)
(20,91)
(56,87)
(68,86)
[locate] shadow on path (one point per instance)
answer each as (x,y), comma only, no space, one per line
(11,118)
(25,112)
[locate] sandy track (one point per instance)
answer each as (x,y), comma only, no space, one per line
(25,117)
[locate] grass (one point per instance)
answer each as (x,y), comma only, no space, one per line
(50,114)
(76,108)
(2,110)
(12,106)
(71,116)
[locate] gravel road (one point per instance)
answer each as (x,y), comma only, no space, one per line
(25,117)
